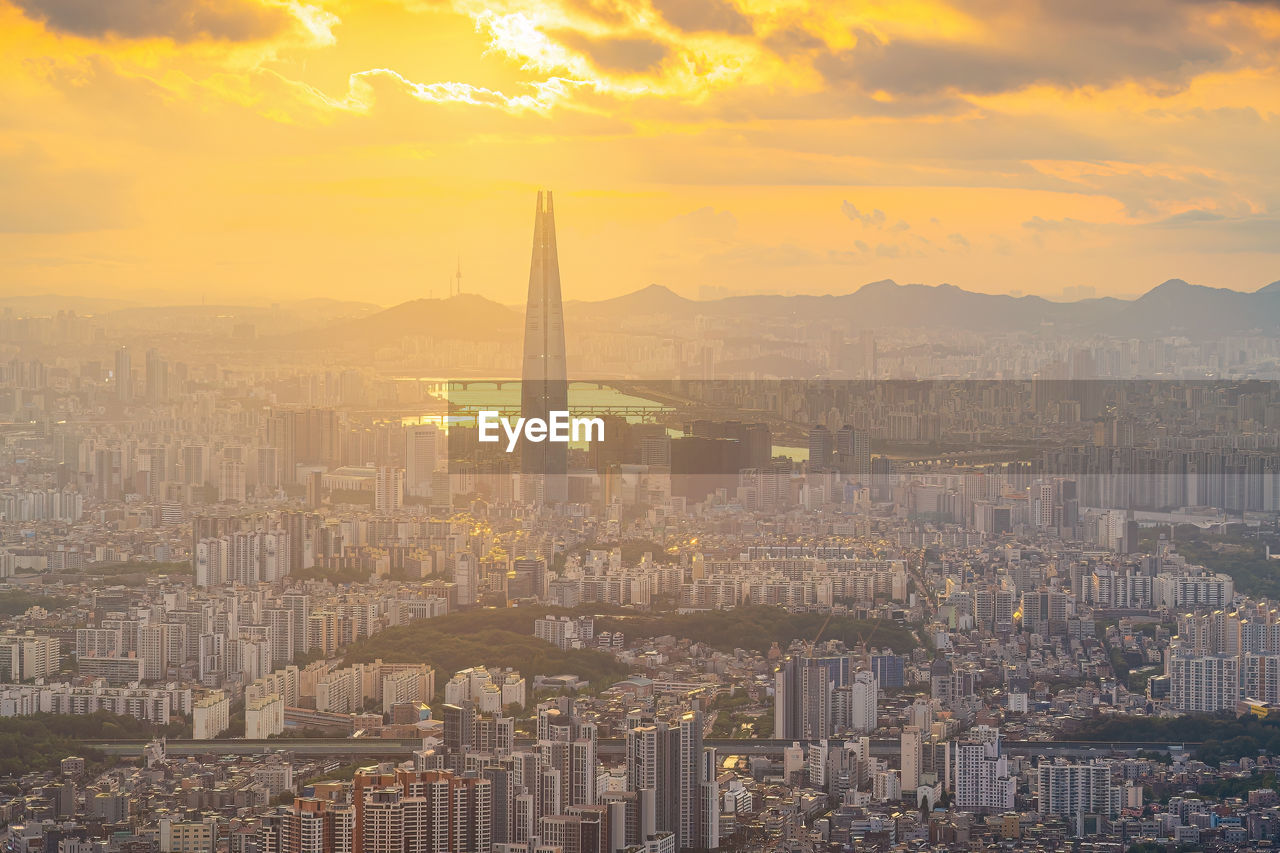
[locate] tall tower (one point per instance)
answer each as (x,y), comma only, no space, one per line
(544,386)
(124,372)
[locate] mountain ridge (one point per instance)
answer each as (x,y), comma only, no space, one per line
(1174,306)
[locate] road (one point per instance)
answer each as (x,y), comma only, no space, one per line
(376,748)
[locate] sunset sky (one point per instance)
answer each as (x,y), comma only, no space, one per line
(236,150)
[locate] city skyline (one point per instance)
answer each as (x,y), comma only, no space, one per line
(889,462)
(331,148)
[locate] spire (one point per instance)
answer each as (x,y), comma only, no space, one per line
(544,377)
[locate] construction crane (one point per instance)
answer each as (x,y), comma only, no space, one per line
(862,640)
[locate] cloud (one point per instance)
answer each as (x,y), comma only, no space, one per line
(1066,225)
(180,20)
(1059,43)
(1188,217)
(632,54)
(875,218)
(959,240)
(694,16)
(1208,231)
(361,93)
(790,41)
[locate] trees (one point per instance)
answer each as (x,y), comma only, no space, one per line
(493,638)
(38,742)
(758,626)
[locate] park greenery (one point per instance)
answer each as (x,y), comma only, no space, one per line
(17,602)
(504,638)
(138,567)
(492,638)
(1241,556)
(758,627)
(39,742)
(1211,739)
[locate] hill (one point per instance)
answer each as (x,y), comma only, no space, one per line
(654,299)
(1173,307)
(492,638)
(466,317)
(758,627)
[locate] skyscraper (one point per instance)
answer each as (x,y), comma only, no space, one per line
(421,452)
(124,374)
(544,377)
(157,377)
(388,495)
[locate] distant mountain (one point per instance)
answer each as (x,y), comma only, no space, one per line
(654,299)
(1174,307)
(466,316)
(877,304)
(1198,311)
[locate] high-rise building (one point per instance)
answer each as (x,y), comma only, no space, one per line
(699,807)
(210,716)
(153,648)
(821,447)
(388,493)
(982,782)
(674,779)
(652,773)
(231,481)
(27,656)
(1204,684)
(124,375)
(804,696)
(912,754)
(157,377)
(1072,789)
(431,810)
(855,704)
(421,457)
(195,464)
(853,452)
(544,375)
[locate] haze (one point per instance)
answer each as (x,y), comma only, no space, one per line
(254,150)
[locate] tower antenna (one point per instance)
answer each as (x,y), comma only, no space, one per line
(458,275)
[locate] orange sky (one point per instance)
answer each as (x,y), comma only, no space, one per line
(235,150)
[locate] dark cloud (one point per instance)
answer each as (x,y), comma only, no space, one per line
(1065,44)
(705,15)
(617,53)
(180,20)
(793,40)
(1189,217)
(1209,231)
(1067,225)
(605,11)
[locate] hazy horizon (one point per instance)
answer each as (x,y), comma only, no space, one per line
(358,150)
(68,298)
